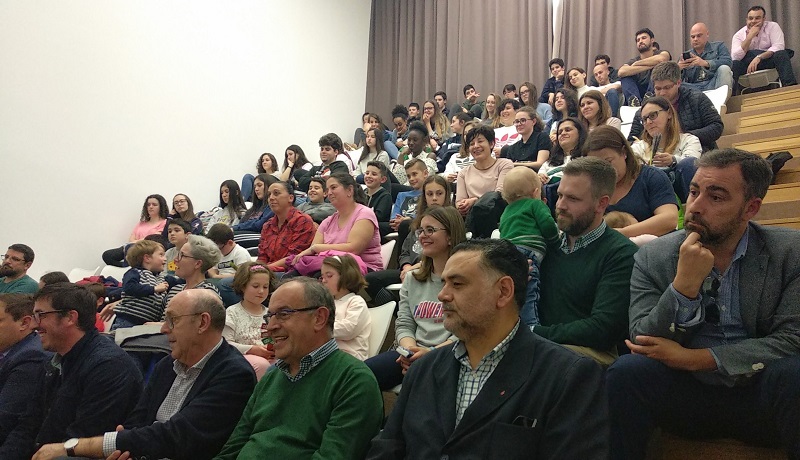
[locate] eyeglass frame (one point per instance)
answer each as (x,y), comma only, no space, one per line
(37,315)
(428,231)
(13,258)
(181,255)
(521,121)
(652,116)
(169,320)
(711,290)
(286,313)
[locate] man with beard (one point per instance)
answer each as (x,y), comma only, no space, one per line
(714,321)
(635,75)
(14,271)
(586,275)
(500,391)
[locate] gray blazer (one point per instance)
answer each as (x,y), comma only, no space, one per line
(769,287)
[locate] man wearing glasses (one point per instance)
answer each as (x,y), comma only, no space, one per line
(89,386)
(534,147)
(192,401)
(714,321)
(696,113)
(14,271)
(316,401)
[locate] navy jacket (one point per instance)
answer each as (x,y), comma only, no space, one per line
(716,54)
(696,115)
(304,177)
(551,85)
(542,401)
(20,375)
(95,390)
(208,415)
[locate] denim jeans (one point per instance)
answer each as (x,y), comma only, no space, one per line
(529,313)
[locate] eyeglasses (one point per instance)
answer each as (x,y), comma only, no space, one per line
(711,290)
(182,255)
(286,313)
(14,258)
(521,121)
(428,231)
(658,89)
(38,314)
(179,202)
(427,108)
(170,320)
(652,116)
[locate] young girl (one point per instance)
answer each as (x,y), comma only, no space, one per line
(372,151)
(244,322)
(342,277)
(231,205)
(294,159)
(461,160)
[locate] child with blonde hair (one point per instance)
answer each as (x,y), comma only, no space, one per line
(527,223)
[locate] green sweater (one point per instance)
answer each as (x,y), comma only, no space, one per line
(527,222)
(331,413)
(586,294)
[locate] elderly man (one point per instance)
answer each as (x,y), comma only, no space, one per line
(500,392)
(317,401)
(714,321)
(586,313)
(709,63)
(192,401)
(696,113)
(21,358)
(760,45)
(14,271)
(90,385)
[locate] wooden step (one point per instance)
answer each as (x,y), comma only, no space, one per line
(736,103)
(781,202)
(776,119)
(731,120)
(788,222)
(765,140)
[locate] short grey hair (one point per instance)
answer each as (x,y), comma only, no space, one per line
(756,171)
(316,294)
(204,250)
(668,70)
(600,172)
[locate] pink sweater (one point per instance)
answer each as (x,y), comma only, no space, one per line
(333,234)
(143,229)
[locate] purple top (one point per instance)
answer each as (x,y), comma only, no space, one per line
(332,233)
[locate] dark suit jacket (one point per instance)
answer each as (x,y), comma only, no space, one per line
(20,376)
(537,380)
(769,289)
(208,415)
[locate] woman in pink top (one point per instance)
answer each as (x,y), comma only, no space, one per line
(352,228)
(151,222)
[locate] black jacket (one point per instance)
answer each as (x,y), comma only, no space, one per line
(20,374)
(304,177)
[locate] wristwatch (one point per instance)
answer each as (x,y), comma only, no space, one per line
(69,446)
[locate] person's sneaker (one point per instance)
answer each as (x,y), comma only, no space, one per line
(647,96)
(634,102)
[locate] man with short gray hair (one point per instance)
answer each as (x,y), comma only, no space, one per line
(192,401)
(316,401)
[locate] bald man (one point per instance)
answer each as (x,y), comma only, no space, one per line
(709,63)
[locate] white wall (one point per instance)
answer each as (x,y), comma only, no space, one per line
(105,102)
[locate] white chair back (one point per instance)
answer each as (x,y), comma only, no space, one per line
(115,272)
(381,318)
(718,97)
(77,274)
(626,113)
(386,252)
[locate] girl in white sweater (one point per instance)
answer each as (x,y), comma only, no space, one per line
(342,276)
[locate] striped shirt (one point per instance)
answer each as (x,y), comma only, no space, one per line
(140,303)
(471,381)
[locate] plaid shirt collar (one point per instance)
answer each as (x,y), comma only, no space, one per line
(309,361)
(583,240)
(493,357)
(184,371)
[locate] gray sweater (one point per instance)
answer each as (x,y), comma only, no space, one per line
(420,313)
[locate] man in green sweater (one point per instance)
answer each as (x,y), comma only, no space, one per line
(14,271)
(585,289)
(316,401)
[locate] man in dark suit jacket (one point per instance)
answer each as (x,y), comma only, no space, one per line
(501,391)
(21,358)
(714,321)
(197,397)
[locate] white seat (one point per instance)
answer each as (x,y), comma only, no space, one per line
(718,97)
(381,318)
(116,272)
(626,113)
(386,252)
(391,236)
(77,274)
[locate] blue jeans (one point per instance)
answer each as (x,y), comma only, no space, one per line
(631,88)
(722,76)
(387,370)
(529,313)
(681,176)
(247,186)
(612,96)
(225,287)
(644,393)
(122,323)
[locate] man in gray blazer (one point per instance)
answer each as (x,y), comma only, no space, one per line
(714,321)
(501,391)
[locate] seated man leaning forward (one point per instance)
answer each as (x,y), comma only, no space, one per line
(500,392)
(586,275)
(192,401)
(316,401)
(89,386)
(714,321)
